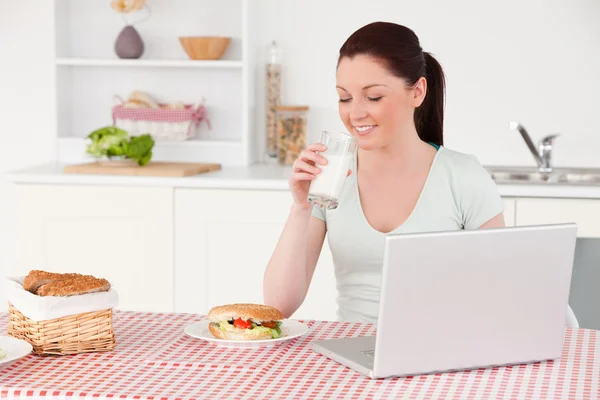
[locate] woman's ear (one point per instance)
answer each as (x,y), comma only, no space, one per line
(419,91)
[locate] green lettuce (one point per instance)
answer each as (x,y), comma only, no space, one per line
(275,332)
(111,141)
(139,148)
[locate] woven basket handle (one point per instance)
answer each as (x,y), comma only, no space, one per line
(199,104)
(118,100)
(200,113)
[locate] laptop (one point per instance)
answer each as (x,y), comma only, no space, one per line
(466,299)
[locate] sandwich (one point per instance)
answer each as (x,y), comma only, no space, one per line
(245,322)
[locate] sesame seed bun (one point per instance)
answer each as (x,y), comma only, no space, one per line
(254,312)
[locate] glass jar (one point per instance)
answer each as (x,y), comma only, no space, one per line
(291,132)
(273,98)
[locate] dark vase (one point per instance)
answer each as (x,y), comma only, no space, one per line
(129,43)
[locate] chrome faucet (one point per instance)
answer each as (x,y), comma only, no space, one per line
(542,155)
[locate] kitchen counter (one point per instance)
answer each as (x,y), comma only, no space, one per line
(260,177)
(257,177)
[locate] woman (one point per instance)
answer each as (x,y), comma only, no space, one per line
(391,97)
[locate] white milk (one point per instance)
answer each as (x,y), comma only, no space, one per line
(328,184)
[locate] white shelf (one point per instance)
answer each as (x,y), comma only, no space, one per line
(88,75)
(99,62)
(227,152)
(163,143)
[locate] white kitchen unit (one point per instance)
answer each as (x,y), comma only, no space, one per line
(509,210)
(166,248)
(584,212)
(123,234)
(187,244)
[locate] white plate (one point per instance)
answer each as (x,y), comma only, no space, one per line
(290,329)
(14,349)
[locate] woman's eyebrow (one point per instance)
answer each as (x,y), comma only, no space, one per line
(365,88)
(373,85)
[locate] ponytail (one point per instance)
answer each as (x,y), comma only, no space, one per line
(429,117)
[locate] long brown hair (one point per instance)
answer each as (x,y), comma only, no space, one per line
(398,48)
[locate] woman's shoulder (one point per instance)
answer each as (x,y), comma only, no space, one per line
(474,190)
(459,161)
(462,168)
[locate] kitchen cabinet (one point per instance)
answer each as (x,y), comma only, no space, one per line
(123,234)
(223,242)
(167,248)
(584,212)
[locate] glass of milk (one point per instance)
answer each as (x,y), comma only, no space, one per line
(326,188)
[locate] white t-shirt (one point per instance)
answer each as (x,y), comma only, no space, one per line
(458,194)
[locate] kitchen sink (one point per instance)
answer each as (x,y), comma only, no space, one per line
(558,176)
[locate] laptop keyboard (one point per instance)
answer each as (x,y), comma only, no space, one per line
(369,353)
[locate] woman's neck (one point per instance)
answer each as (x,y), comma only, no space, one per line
(408,154)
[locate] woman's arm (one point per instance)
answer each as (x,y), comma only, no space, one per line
(292,265)
(495,222)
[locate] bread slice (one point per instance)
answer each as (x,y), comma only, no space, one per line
(238,334)
(74,286)
(254,312)
(140,97)
(37,278)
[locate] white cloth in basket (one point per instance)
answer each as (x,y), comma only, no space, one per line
(161,123)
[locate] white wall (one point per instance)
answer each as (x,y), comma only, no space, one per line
(26,100)
(535,61)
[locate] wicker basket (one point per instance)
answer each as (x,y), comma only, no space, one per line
(162,124)
(81,333)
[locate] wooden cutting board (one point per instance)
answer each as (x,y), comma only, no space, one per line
(153,168)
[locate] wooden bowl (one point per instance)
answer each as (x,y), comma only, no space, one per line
(205,47)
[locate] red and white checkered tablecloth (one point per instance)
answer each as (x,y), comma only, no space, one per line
(154,359)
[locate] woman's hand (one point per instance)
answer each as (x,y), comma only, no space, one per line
(305,169)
